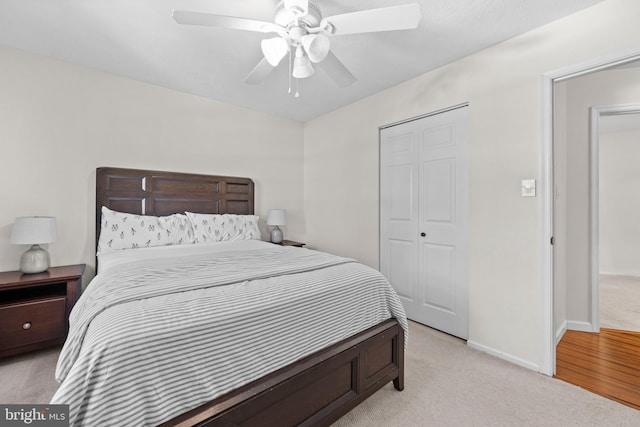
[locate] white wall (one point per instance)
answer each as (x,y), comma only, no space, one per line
(620,202)
(503,87)
(60,122)
(609,87)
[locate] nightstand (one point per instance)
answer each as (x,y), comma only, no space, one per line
(34,308)
(291,243)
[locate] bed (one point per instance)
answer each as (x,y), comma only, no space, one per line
(292,337)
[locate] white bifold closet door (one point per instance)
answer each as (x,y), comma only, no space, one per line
(424,216)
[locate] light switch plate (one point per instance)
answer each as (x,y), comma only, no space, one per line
(528,188)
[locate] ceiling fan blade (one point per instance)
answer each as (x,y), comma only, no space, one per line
(337,71)
(403,17)
(210,20)
(259,73)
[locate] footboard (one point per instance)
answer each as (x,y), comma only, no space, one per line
(314,391)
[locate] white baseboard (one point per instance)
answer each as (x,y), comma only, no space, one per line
(574,325)
(630,276)
(505,356)
(560,332)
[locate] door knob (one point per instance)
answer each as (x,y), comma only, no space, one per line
(423,234)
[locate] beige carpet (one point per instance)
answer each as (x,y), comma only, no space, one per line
(620,302)
(450,384)
(446,384)
(29,378)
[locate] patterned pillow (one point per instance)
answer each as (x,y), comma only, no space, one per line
(226,227)
(182,230)
(120,230)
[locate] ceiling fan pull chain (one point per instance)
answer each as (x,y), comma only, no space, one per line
(297,88)
(290,72)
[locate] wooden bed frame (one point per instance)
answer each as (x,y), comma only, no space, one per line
(314,391)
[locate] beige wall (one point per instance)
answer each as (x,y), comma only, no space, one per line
(619,202)
(503,87)
(610,87)
(60,122)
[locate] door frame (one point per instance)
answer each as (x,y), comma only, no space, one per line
(594,147)
(547,343)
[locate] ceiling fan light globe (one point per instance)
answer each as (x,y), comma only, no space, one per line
(274,50)
(302,67)
(317,46)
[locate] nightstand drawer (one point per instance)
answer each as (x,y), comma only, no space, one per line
(32,322)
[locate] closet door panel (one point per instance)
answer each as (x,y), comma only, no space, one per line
(423,218)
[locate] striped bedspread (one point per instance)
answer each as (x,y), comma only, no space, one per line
(154,337)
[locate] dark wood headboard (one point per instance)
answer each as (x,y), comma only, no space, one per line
(164,193)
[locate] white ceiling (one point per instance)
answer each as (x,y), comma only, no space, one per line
(139,39)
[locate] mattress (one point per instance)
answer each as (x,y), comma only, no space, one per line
(160,331)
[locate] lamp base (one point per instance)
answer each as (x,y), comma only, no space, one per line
(276,235)
(35,260)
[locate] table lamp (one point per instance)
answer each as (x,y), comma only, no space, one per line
(34,230)
(276,217)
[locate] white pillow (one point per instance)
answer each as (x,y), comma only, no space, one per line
(120,230)
(182,229)
(218,228)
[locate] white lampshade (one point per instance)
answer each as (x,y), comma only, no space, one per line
(274,50)
(302,67)
(34,230)
(277,217)
(30,230)
(317,46)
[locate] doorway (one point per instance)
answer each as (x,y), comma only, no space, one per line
(581,104)
(563,307)
(615,132)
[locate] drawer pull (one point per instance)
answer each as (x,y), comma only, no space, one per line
(26,326)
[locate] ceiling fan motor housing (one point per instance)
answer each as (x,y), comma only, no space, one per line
(288,11)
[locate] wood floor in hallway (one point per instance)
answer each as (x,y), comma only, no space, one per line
(606,363)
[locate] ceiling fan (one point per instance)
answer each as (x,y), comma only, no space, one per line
(303,33)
